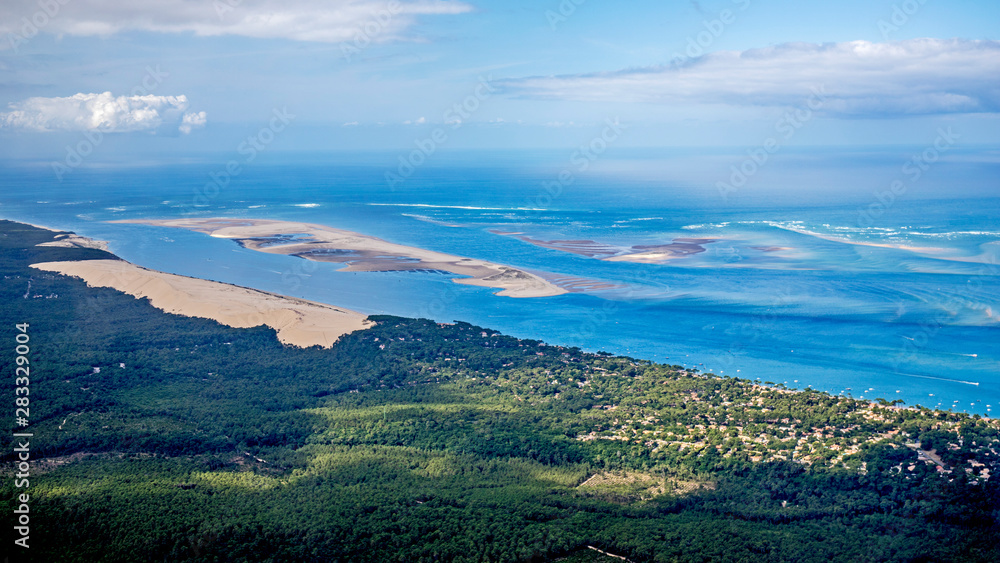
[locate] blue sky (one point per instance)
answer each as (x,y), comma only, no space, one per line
(187,75)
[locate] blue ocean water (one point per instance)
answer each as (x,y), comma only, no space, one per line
(815,273)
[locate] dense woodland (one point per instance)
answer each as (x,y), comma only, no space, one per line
(418,441)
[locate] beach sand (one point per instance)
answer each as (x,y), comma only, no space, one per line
(298,322)
(661,253)
(75,241)
(361,253)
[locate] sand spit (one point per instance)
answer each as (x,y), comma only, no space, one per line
(74,241)
(361,253)
(297,321)
(643,253)
(917,249)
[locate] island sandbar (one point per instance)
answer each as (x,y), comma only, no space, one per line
(361,253)
(642,253)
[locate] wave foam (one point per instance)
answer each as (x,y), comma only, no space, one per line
(472,207)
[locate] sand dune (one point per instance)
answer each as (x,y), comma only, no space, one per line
(297,321)
(361,253)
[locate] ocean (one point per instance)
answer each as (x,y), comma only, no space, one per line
(858,273)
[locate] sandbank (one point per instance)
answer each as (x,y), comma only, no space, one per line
(74,241)
(833,238)
(644,254)
(361,253)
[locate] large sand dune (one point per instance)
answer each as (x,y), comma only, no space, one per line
(297,321)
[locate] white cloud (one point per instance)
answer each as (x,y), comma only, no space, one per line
(103,112)
(192,121)
(917,76)
(330,21)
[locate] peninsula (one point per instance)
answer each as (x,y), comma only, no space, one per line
(298,322)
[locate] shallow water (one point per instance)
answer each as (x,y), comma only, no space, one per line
(805,291)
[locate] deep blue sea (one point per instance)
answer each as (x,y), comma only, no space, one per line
(820,274)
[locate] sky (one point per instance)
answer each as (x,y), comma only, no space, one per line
(184,76)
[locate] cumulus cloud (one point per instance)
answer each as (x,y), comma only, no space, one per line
(330,21)
(103,112)
(859,78)
(192,121)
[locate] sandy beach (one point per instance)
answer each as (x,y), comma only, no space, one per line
(75,241)
(361,253)
(298,322)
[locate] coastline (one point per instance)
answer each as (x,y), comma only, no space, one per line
(298,322)
(761,364)
(360,253)
(66,239)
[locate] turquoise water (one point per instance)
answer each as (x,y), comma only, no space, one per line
(807,281)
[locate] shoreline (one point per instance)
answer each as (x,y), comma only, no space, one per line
(681,247)
(298,322)
(67,239)
(357,252)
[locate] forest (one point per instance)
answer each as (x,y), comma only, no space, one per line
(168,438)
